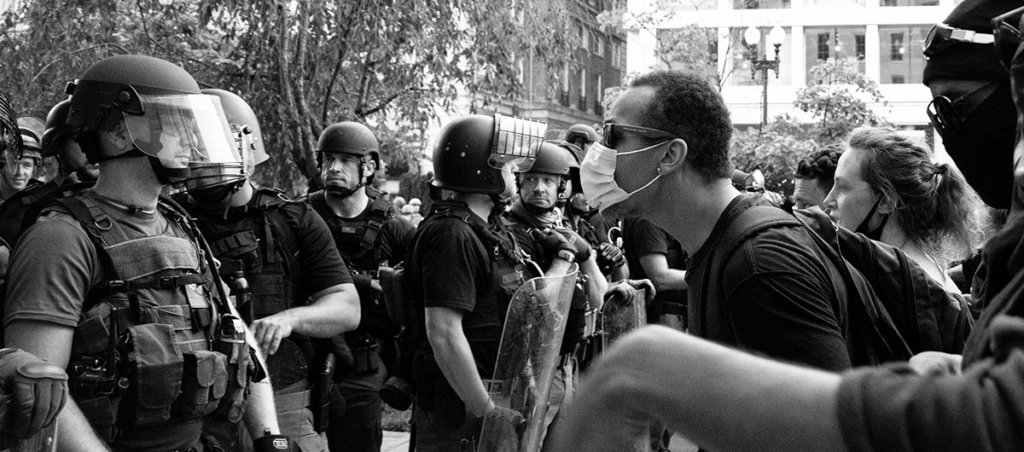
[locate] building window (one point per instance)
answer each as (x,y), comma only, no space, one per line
(896,47)
(599,45)
(760,4)
(598,94)
(824,45)
(911,2)
(584,37)
(900,47)
(832,3)
(582,103)
(616,54)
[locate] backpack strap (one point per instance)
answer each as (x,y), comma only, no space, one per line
(380,211)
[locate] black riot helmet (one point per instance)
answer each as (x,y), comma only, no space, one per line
(471,152)
(57,130)
(160,106)
(581,135)
(214,181)
(352,138)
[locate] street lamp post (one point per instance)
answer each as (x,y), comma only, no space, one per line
(752,37)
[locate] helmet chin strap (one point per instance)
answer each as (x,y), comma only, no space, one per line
(537,210)
(342,192)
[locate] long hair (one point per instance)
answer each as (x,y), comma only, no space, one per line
(932,202)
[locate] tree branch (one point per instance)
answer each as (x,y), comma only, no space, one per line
(84,49)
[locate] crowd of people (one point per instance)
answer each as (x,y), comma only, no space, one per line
(156,298)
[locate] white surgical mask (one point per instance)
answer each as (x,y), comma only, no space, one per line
(597,176)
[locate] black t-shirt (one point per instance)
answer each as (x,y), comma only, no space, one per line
(775,296)
(642,238)
(450,267)
(392,242)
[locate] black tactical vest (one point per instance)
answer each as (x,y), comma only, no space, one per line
(357,239)
(258,241)
(144,352)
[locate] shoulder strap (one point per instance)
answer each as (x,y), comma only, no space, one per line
(380,211)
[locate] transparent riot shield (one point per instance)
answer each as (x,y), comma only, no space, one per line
(526,362)
(623,312)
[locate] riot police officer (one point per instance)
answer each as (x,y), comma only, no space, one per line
(368,234)
(117,285)
(540,187)
(21,165)
(300,287)
(463,267)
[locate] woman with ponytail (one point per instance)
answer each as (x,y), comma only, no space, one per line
(890,189)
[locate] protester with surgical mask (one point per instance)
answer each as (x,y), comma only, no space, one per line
(889,189)
(664,156)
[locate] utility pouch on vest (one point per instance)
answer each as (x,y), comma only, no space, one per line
(393,293)
(510,277)
(157,368)
(101,412)
(203,384)
(363,352)
(230,341)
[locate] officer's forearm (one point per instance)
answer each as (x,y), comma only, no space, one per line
(454,357)
(75,433)
(597,285)
(260,416)
(331,313)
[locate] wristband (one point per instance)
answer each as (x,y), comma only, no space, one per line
(566,255)
(272,443)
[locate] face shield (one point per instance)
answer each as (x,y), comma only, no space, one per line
(183,130)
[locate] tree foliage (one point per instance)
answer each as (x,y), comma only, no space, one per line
(837,99)
(300,64)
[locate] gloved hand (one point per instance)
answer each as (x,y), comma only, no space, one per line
(609,257)
(504,427)
(272,443)
(577,244)
(38,388)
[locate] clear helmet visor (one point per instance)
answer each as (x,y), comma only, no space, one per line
(515,143)
(183,130)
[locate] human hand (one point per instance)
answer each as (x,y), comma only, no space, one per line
(504,427)
(936,363)
(643,284)
(270,330)
(578,245)
(609,257)
(38,390)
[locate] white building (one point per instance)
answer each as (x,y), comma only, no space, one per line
(885,36)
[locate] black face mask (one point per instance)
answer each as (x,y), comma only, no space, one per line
(979,135)
(876,233)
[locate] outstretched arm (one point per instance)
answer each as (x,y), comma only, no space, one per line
(720,398)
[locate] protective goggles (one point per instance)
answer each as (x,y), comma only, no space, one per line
(1006,30)
(942,37)
(181,130)
(515,143)
(612,134)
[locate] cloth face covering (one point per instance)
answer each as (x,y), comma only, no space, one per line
(597,175)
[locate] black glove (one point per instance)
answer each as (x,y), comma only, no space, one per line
(578,245)
(38,390)
(272,443)
(609,257)
(505,426)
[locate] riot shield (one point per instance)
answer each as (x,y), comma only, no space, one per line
(622,312)
(527,357)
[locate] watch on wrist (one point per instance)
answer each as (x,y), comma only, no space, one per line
(566,255)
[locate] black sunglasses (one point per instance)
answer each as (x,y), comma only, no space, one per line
(613,133)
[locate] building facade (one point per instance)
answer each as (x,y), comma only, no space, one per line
(884,37)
